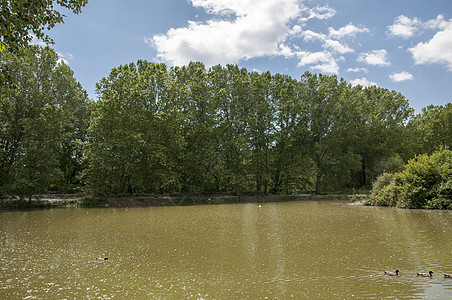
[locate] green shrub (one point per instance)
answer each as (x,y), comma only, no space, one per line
(383,191)
(425,182)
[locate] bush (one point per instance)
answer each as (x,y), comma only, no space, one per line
(426,182)
(383,191)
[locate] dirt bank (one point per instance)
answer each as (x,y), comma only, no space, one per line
(82,200)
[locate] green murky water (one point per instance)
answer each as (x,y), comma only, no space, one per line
(300,250)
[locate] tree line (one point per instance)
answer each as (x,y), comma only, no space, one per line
(156,129)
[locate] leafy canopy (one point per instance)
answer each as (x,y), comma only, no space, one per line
(19,17)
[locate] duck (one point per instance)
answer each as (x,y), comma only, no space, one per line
(429,274)
(447,275)
(392,273)
(101,259)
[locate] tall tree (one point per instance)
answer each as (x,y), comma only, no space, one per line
(201,150)
(431,129)
(261,130)
(290,160)
(74,113)
(133,141)
(321,95)
(33,114)
(230,92)
(382,115)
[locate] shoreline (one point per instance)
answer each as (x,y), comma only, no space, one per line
(86,200)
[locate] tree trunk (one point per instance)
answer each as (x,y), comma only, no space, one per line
(317,184)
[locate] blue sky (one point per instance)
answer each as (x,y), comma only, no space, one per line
(402,45)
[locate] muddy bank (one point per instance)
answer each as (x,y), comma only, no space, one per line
(167,200)
(61,200)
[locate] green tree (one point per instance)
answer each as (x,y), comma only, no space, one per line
(133,141)
(431,129)
(230,93)
(322,96)
(19,17)
(33,114)
(261,130)
(378,119)
(291,162)
(201,161)
(74,113)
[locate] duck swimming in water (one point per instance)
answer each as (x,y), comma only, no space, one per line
(447,275)
(429,274)
(101,259)
(392,273)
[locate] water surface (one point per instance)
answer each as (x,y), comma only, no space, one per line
(307,249)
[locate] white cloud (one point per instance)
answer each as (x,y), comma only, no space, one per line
(259,29)
(362,81)
(438,23)
(36,41)
(285,51)
(437,50)
(404,26)
(309,35)
(375,58)
(296,30)
(337,46)
(357,70)
(318,12)
(349,30)
(401,76)
(324,62)
(64,57)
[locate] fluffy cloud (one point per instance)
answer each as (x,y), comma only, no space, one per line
(401,76)
(285,51)
(362,81)
(337,46)
(375,58)
(318,12)
(357,70)
(437,50)
(349,30)
(438,23)
(324,62)
(247,30)
(244,29)
(405,27)
(309,35)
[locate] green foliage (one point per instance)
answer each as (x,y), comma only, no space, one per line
(384,191)
(425,182)
(225,129)
(135,141)
(430,130)
(19,17)
(43,117)
(222,129)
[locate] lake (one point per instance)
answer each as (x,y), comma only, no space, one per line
(301,250)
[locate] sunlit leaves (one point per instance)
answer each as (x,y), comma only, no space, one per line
(20,17)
